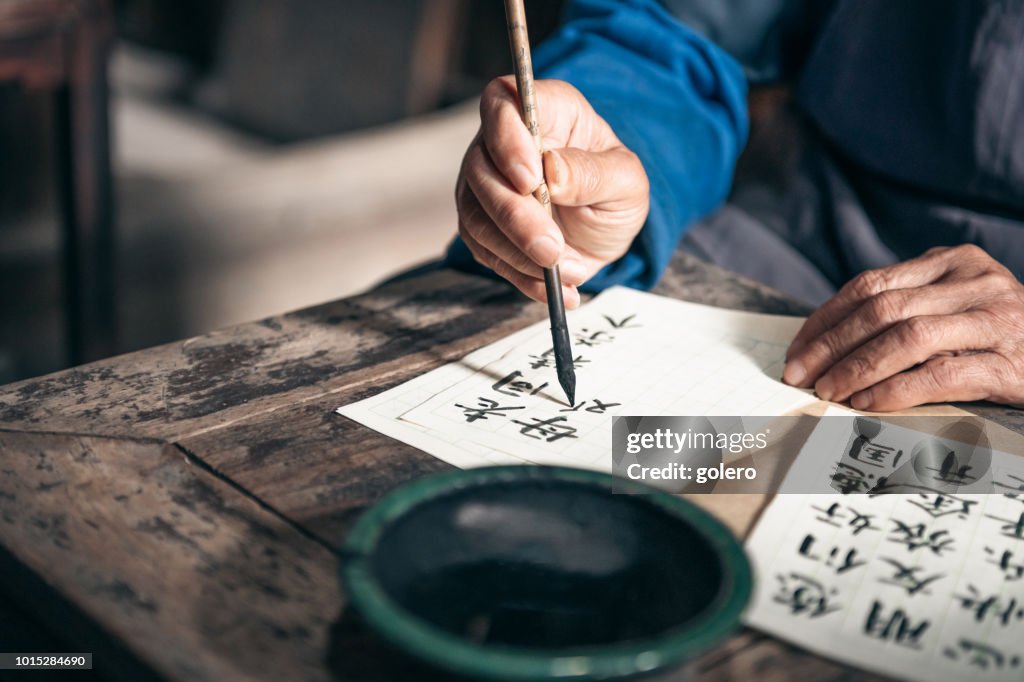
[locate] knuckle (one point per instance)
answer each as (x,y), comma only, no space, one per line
(868,283)
(560,88)
(633,161)
(969,252)
(474,164)
(474,227)
(997,280)
(885,308)
(945,372)
(521,262)
(480,255)
(503,269)
(856,365)
(490,95)
(826,347)
(918,331)
(462,201)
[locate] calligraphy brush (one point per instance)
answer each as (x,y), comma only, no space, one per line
(519,39)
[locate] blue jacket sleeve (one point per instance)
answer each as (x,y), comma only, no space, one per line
(672,97)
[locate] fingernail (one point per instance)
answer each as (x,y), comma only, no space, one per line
(824,388)
(861,401)
(552,170)
(524,177)
(544,251)
(573,272)
(794,373)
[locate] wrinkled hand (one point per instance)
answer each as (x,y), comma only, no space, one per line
(598,188)
(946,326)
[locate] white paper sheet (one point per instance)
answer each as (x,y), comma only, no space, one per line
(638,354)
(923,586)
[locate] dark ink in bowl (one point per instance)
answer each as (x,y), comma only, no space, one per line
(541,572)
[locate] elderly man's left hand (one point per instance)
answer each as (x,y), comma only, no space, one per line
(947,326)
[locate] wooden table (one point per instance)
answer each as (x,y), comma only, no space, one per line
(176,510)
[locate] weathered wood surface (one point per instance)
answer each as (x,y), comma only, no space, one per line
(167,557)
(186,498)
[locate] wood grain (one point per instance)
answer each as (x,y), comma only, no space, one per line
(186,499)
(199,581)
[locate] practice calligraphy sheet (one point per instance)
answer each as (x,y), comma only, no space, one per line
(923,584)
(634,354)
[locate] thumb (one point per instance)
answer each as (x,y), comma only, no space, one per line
(577,177)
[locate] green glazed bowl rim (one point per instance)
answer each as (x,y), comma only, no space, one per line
(497,662)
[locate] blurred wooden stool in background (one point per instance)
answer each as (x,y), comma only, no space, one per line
(62,46)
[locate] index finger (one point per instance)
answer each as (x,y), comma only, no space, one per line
(508,142)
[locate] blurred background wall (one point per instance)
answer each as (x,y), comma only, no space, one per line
(267,155)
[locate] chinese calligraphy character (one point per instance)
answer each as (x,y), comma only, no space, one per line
(907,578)
(1002,613)
(897,628)
(951,471)
(584,337)
(547,359)
(981,656)
(858,522)
(509,385)
(874,454)
(849,479)
(624,323)
(1011,571)
(940,504)
(546,429)
(1011,529)
(846,562)
(804,595)
(485,408)
(914,538)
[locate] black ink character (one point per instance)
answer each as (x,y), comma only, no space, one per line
(981,656)
(913,538)
(1011,529)
(906,577)
(858,521)
(510,386)
(874,454)
(983,608)
(941,504)
(624,323)
(1011,571)
(546,429)
(896,628)
(849,479)
(834,559)
(584,337)
(547,360)
(485,408)
(598,407)
(951,471)
(804,595)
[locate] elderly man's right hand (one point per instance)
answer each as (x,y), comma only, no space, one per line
(599,190)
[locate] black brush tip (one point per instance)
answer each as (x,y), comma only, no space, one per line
(567,379)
